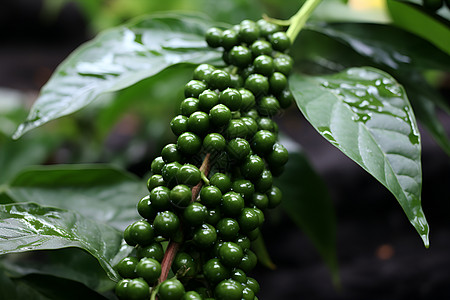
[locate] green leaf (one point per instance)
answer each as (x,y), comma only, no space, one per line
(365,113)
(118,58)
(17,290)
(307,202)
(102,193)
(29,226)
(386,45)
(260,249)
(413,18)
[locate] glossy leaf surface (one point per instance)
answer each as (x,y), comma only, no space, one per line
(30,226)
(365,113)
(119,58)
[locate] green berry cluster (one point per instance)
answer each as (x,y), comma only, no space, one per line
(209,190)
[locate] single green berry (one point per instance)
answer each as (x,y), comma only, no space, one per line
(142,232)
(149,269)
(268,106)
(219,79)
(260,200)
(263,65)
(180,195)
(210,196)
(194,88)
(184,263)
(189,143)
(239,276)
(280,41)
(248,219)
(205,236)
(157,165)
(192,295)
(245,188)
(261,47)
(198,123)
(285,98)
(213,217)
(170,153)
(154,250)
(277,83)
(240,56)
(221,181)
(166,223)
(127,267)
(127,236)
(220,115)
(227,228)
(214,37)
(248,294)
(238,149)
(252,167)
(231,98)
(252,113)
(243,241)
(248,99)
(279,155)
(188,106)
(145,208)
(257,84)
(229,39)
(228,290)
(171,289)
(253,284)
(178,125)
(283,65)
(247,71)
(263,141)
(236,81)
(195,214)
(214,142)
(248,261)
(132,289)
(252,126)
(232,204)
(207,100)
(203,71)
(266,28)
(268,124)
(188,174)
(215,271)
(248,32)
(264,182)
(236,128)
(159,197)
(275,196)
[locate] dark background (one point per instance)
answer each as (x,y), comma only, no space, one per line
(380,254)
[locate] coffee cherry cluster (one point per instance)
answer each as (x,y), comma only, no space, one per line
(209,190)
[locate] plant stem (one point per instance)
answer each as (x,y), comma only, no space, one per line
(173,246)
(298,20)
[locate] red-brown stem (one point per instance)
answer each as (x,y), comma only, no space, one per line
(173,246)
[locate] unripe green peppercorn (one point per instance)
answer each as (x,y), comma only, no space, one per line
(189,143)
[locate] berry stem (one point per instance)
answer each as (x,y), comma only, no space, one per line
(173,246)
(298,20)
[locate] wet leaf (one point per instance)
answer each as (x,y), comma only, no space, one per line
(365,113)
(118,58)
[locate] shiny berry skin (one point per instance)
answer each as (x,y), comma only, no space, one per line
(236,128)
(185,261)
(154,251)
(261,47)
(254,234)
(228,290)
(275,196)
(252,167)
(229,39)
(260,200)
(157,165)
(243,241)
(213,37)
(285,98)
(267,28)
(248,219)
(213,216)
(145,208)
(257,84)
(248,261)
(154,181)
(214,142)
(178,125)
(188,106)
(248,32)
(166,223)
(194,88)
(210,196)
(149,269)
(240,56)
(239,276)
(267,124)
(231,98)
(142,232)
(280,41)
(192,295)
(252,126)
(236,81)
(198,123)
(207,100)
(188,174)
(159,197)
(263,64)
(247,71)
(268,106)
(215,271)
(203,71)
(253,284)
(277,83)
(195,214)
(279,155)
(219,80)
(238,148)
(180,195)
(132,289)
(189,143)
(220,115)
(171,289)
(127,236)
(264,182)
(127,267)
(248,99)
(221,181)
(283,65)
(245,188)
(252,113)
(248,294)
(232,204)
(170,153)
(205,236)
(263,142)
(227,228)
